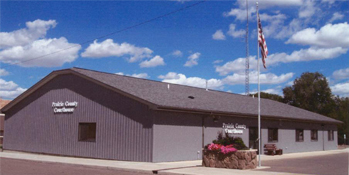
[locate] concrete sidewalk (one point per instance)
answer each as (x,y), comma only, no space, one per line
(182,167)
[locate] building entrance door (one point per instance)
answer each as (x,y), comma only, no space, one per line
(253,135)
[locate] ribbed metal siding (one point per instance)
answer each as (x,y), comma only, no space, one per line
(124,126)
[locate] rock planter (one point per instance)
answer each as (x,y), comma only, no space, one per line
(241,159)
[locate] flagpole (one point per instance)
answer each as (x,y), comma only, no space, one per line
(259,96)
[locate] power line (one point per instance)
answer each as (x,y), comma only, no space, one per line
(116,32)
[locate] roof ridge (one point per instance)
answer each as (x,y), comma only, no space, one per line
(158,81)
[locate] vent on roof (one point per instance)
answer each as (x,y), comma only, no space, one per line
(191,97)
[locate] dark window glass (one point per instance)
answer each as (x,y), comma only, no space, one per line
(330,135)
(299,135)
(314,135)
(272,134)
(87,132)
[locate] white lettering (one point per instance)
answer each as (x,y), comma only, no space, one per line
(240,126)
(230,128)
(58,104)
(71,104)
(233,131)
(67,107)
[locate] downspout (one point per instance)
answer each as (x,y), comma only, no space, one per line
(203,137)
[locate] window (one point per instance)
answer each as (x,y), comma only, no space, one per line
(330,135)
(272,134)
(313,135)
(299,135)
(87,132)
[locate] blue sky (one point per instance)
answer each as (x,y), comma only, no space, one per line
(204,42)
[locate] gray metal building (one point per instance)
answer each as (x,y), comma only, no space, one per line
(85,113)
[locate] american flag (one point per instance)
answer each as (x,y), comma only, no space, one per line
(262,42)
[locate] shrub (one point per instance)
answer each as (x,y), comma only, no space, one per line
(226,144)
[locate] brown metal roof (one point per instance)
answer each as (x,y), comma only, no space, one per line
(177,97)
(186,98)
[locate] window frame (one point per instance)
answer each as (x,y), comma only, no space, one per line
(271,135)
(312,134)
(91,136)
(298,132)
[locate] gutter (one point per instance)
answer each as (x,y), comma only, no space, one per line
(240,115)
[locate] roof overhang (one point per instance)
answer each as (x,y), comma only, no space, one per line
(240,115)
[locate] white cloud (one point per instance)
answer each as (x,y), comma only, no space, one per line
(169,76)
(7,85)
(140,75)
(156,61)
(268,78)
(193,59)
(9,89)
(175,78)
(288,30)
(341,89)
(218,35)
(3,72)
(177,53)
(43,52)
(309,54)
(235,33)
(330,35)
(108,48)
(307,9)
(276,91)
(271,18)
(240,12)
(217,61)
(336,16)
(328,1)
(275,24)
(290,83)
(341,74)
(33,31)
(238,65)
(269,4)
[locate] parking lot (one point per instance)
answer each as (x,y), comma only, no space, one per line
(333,162)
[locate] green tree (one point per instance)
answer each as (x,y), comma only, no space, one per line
(341,112)
(269,96)
(311,92)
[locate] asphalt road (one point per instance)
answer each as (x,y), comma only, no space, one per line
(336,164)
(25,167)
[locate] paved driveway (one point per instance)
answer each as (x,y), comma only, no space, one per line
(334,164)
(27,167)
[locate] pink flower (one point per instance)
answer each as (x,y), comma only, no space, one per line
(228,149)
(214,147)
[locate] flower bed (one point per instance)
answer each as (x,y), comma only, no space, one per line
(229,152)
